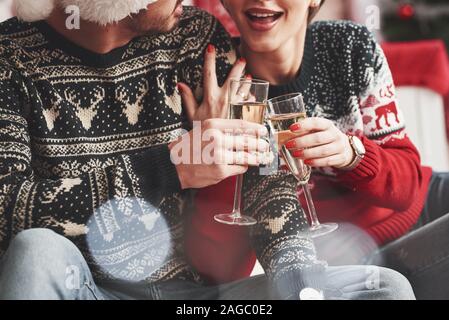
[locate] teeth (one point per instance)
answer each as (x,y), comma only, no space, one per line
(263,15)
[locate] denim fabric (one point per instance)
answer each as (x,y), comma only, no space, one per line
(39,264)
(422,255)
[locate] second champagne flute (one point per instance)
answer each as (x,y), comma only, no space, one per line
(247,101)
(283,112)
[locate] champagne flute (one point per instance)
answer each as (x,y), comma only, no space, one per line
(283,112)
(247,101)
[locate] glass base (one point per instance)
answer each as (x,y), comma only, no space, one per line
(235,219)
(322,229)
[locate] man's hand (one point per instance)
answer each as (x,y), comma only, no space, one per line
(217,149)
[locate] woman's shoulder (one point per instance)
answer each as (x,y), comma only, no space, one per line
(341,34)
(343,43)
(340,27)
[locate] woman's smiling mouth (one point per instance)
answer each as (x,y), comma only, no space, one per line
(262,19)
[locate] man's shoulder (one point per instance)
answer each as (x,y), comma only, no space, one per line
(13,32)
(196,21)
(192,13)
(14,28)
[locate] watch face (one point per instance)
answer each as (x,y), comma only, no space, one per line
(358,146)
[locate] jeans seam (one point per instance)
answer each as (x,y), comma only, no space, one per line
(430,264)
(155,293)
(88,285)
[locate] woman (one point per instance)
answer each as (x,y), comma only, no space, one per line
(368,172)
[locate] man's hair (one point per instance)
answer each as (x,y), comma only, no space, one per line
(313,12)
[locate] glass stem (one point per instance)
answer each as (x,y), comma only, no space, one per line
(311,207)
(236,212)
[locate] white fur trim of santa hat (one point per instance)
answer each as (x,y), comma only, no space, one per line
(99,11)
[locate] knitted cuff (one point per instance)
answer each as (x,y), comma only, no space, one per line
(290,283)
(367,168)
(156,171)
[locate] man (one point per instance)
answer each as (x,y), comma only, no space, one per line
(90,121)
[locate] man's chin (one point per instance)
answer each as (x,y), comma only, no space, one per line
(174,24)
(169,27)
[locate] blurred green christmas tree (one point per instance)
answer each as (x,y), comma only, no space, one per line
(406,20)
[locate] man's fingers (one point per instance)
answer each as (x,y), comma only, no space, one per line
(252,159)
(188,99)
(235,170)
(210,73)
(246,143)
(235,127)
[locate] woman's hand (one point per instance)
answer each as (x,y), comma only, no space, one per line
(215,99)
(320,144)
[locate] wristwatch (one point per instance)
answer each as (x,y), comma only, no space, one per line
(359,151)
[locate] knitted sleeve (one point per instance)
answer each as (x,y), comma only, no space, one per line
(136,182)
(390,174)
(280,237)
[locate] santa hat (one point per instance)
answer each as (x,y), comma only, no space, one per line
(99,11)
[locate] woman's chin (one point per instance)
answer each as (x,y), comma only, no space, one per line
(262,46)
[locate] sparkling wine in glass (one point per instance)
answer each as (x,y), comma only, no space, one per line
(247,101)
(283,112)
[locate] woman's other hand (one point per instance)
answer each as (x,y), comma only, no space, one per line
(215,98)
(320,144)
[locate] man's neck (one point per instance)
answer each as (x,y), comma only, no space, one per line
(280,66)
(92,36)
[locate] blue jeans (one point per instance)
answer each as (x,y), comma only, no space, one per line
(422,255)
(39,264)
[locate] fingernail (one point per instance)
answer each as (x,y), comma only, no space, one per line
(297,153)
(295,127)
(242,60)
(291,144)
(179,87)
(248,76)
(308,162)
(210,48)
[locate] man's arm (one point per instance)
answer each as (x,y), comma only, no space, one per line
(29,201)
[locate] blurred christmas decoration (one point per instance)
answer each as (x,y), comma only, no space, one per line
(406,11)
(408,20)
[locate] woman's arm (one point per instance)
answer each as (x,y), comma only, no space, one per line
(390,173)
(280,237)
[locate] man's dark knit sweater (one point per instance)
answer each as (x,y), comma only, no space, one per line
(83,151)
